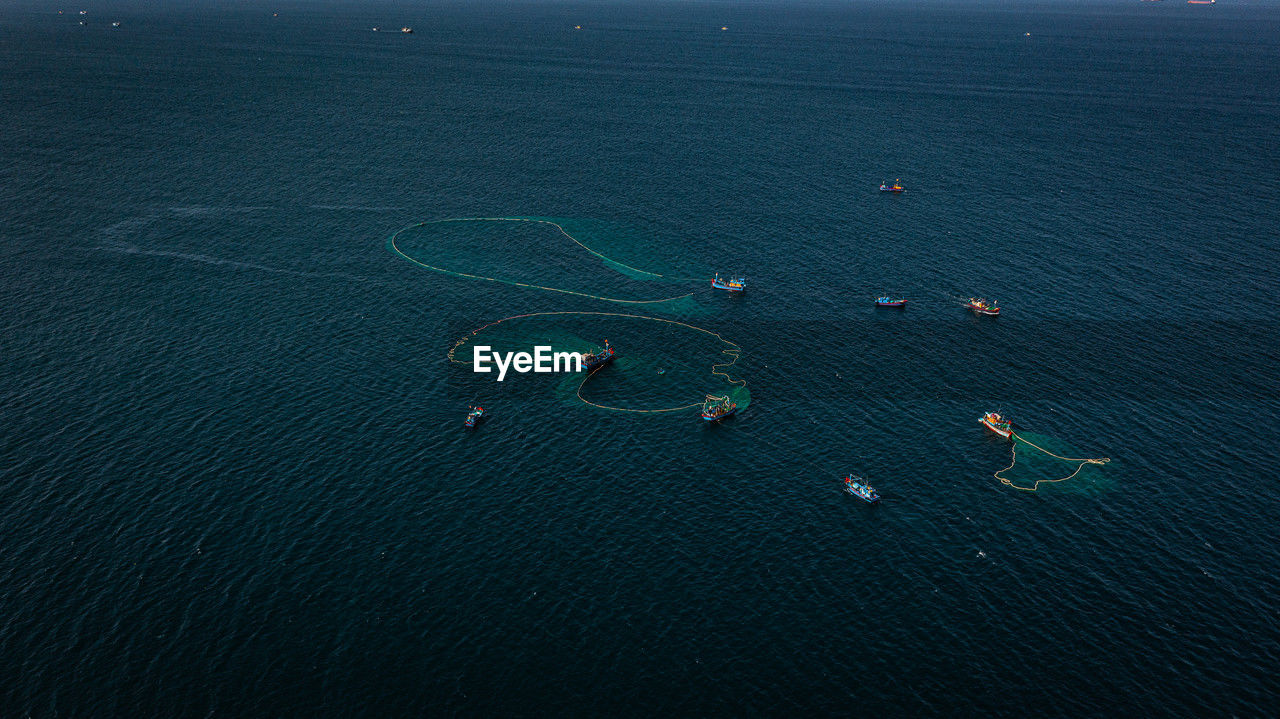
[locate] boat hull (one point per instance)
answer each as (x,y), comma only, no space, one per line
(874,498)
(590,366)
(718,417)
(902,303)
(726,287)
(857,489)
(996,428)
(989,311)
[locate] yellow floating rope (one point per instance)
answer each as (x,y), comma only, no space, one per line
(1009,483)
(391,244)
(625,409)
(734,351)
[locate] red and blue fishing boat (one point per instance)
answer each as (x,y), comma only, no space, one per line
(732,284)
(715,408)
(890,302)
(592,360)
(896,187)
(861,488)
(997,423)
(474,416)
(982,307)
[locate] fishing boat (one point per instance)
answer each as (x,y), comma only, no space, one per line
(592,360)
(982,307)
(474,416)
(1201,2)
(890,302)
(997,423)
(732,284)
(406,30)
(895,187)
(715,408)
(859,487)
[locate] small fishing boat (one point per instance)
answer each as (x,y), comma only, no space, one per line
(890,302)
(592,360)
(895,187)
(732,284)
(715,408)
(1201,2)
(997,423)
(406,30)
(474,416)
(982,307)
(859,487)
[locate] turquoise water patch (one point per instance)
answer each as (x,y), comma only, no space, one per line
(546,255)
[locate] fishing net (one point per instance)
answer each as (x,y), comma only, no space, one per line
(661,365)
(570,257)
(1039,460)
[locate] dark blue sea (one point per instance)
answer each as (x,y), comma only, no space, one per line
(234,479)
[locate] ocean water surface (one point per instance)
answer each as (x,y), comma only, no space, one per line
(234,479)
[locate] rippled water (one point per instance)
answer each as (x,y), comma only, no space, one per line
(233,477)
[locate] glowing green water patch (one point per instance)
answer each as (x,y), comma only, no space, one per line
(661,365)
(535,253)
(1040,460)
(633,251)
